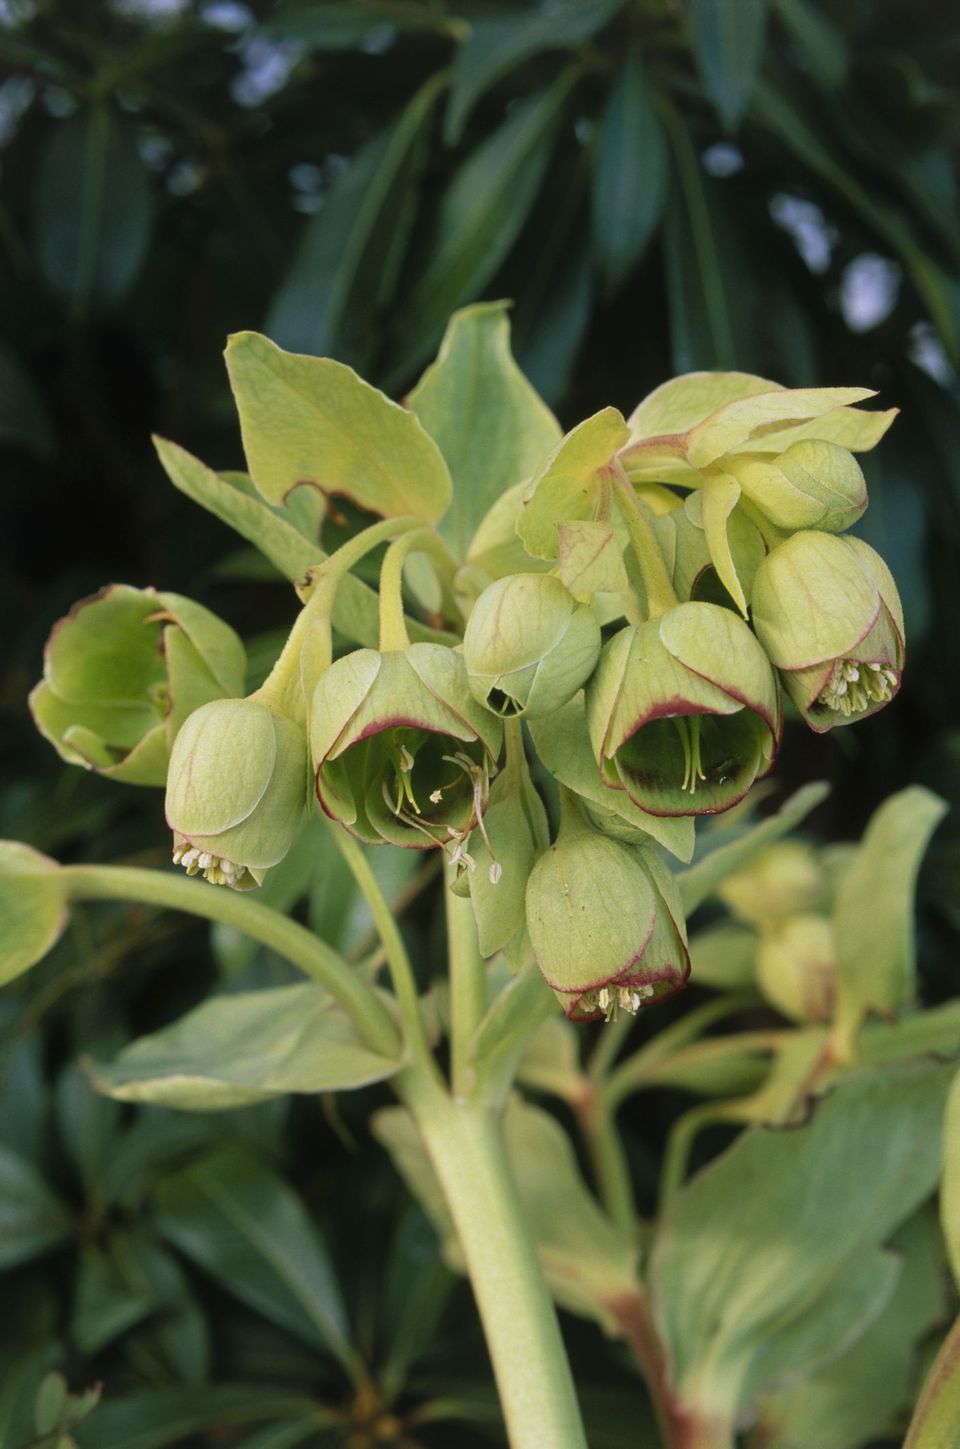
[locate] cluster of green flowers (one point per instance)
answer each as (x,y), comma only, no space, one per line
(634,611)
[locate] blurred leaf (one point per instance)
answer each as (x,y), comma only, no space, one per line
(553,335)
(415,1292)
(490,425)
(241,1223)
(87,1124)
(346,263)
(498,43)
(772,109)
(247,1047)
(817,40)
(950,1187)
(551,1060)
(24,1096)
(936,1418)
(630,174)
(873,915)
(760,1236)
(860,1396)
(728,45)
(24,418)
(32,1220)
(703,877)
(340,434)
(724,957)
(155,1418)
(701,329)
(92,209)
(104,1305)
(345,26)
(480,217)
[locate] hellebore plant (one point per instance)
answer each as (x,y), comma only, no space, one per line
(576,648)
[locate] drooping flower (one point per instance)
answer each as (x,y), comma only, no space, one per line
(684,711)
(827,612)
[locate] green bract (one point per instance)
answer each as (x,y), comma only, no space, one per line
(235,791)
(401,749)
(123,670)
(606,925)
(684,711)
(827,611)
(33,907)
(529,646)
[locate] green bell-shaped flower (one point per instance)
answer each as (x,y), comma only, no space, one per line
(796,967)
(783,879)
(827,611)
(684,711)
(402,751)
(529,646)
(33,907)
(605,923)
(122,672)
(236,790)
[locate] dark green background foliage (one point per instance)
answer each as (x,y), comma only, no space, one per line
(661,185)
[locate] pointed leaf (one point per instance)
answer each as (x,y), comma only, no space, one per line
(339,434)
(32,1220)
(728,44)
(241,1223)
(92,208)
(630,174)
(347,259)
(936,1419)
(488,421)
(480,217)
(243,1048)
(765,1230)
(497,44)
(873,917)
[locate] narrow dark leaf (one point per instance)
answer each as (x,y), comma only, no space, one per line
(630,174)
(728,38)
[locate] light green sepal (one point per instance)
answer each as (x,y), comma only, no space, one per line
(721,493)
(566,489)
(811,484)
(33,909)
(337,433)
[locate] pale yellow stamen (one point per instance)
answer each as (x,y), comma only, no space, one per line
(854,686)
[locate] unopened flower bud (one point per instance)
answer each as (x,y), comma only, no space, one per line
(827,611)
(236,791)
(403,753)
(605,925)
(785,878)
(796,967)
(123,671)
(812,484)
(684,711)
(529,645)
(33,910)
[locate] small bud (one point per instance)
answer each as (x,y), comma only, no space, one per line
(796,967)
(529,645)
(123,671)
(781,880)
(402,751)
(603,933)
(33,910)
(684,711)
(827,611)
(236,791)
(812,484)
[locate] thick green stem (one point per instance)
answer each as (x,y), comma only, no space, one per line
(465,1144)
(398,962)
(468,990)
(216,903)
(660,592)
(393,625)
